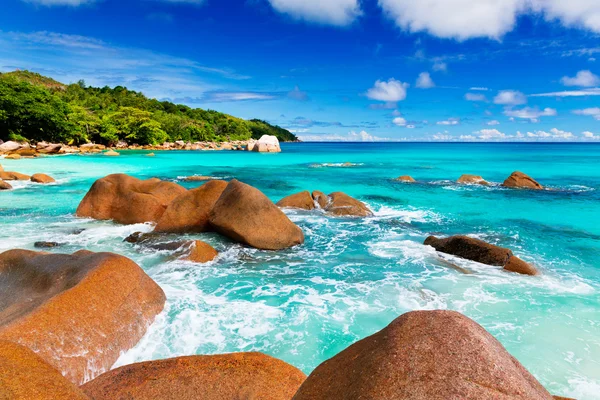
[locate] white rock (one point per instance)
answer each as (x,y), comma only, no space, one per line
(267,144)
(9,146)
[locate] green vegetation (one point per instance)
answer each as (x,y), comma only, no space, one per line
(36,108)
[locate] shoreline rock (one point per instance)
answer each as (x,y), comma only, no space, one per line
(520,180)
(472,180)
(5,185)
(302,200)
(42,178)
(405,179)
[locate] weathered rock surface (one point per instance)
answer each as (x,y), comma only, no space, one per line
(405,178)
(201,252)
(49,148)
(9,146)
(472,179)
(424,355)
(220,377)
(301,200)
(244,214)
(482,252)
(42,178)
(321,198)
(189,211)
(5,185)
(26,376)
(520,180)
(266,144)
(77,312)
(46,245)
(13,176)
(128,200)
(341,204)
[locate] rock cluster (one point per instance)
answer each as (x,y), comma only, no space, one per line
(17,176)
(337,203)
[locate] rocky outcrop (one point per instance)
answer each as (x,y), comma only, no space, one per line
(520,180)
(77,312)
(5,185)
(301,200)
(244,214)
(482,252)
(189,211)
(13,176)
(266,144)
(128,200)
(342,205)
(112,153)
(472,180)
(424,355)
(405,178)
(42,178)
(9,146)
(219,377)
(24,375)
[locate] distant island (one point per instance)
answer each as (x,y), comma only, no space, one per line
(36,108)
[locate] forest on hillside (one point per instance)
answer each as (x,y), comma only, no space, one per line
(37,108)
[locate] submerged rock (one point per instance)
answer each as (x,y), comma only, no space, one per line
(244,214)
(301,200)
(520,180)
(219,377)
(5,185)
(78,312)
(424,355)
(25,375)
(472,179)
(197,178)
(405,178)
(13,176)
(112,153)
(128,200)
(341,204)
(482,252)
(46,245)
(42,178)
(189,211)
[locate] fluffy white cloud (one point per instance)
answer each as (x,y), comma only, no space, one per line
(399,121)
(439,66)
(424,81)
(449,121)
(582,79)
(465,19)
(493,122)
(530,113)
(328,12)
(487,134)
(553,134)
(475,97)
(483,89)
(390,91)
(590,135)
(510,98)
(352,136)
(589,112)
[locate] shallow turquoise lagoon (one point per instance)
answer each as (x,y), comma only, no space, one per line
(352,277)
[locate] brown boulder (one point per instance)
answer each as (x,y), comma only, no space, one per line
(405,178)
(520,180)
(24,375)
(201,252)
(424,355)
(13,176)
(482,252)
(189,211)
(42,178)
(50,149)
(1,168)
(5,185)
(128,200)
(321,198)
(301,200)
(219,377)
(197,178)
(343,205)
(472,179)
(77,312)
(13,156)
(244,214)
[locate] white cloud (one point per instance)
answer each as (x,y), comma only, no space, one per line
(589,112)
(483,89)
(590,135)
(352,136)
(570,93)
(449,121)
(510,98)
(396,113)
(475,97)
(582,79)
(237,96)
(424,81)
(391,91)
(487,134)
(465,19)
(440,66)
(493,122)
(327,12)
(399,121)
(443,137)
(553,134)
(531,113)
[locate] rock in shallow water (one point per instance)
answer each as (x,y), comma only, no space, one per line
(472,179)
(77,312)
(13,176)
(424,355)
(302,200)
(341,204)
(520,180)
(405,178)
(42,178)
(5,185)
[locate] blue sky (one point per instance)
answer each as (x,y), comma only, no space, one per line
(427,70)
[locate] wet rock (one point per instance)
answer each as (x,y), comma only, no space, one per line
(219,377)
(520,180)
(244,214)
(301,200)
(5,185)
(13,176)
(321,198)
(341,204)
(201,252)
(24,375)
(150,155)
(13,156)
(424,355)
(46,245)
(405,178)
(112,153)
(78,312)
(189,211)
(482,252)
(42,178)
(197,178)
(128,200)
(472,179)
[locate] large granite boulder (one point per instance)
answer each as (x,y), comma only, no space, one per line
(189,211)
(42,178)
(472,180)
(128,200)
(244,214)
(48,148)
(301,200)
(241,376)
(78,312)
(26,376)
(266,144)
(520,180)
(321,198)
(13,176)
(340,204)
(5,185)
(424,355)
(9,146)
(482,252)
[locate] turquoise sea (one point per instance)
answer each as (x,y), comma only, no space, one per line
(354,276)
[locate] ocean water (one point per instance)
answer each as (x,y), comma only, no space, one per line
(352,277)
